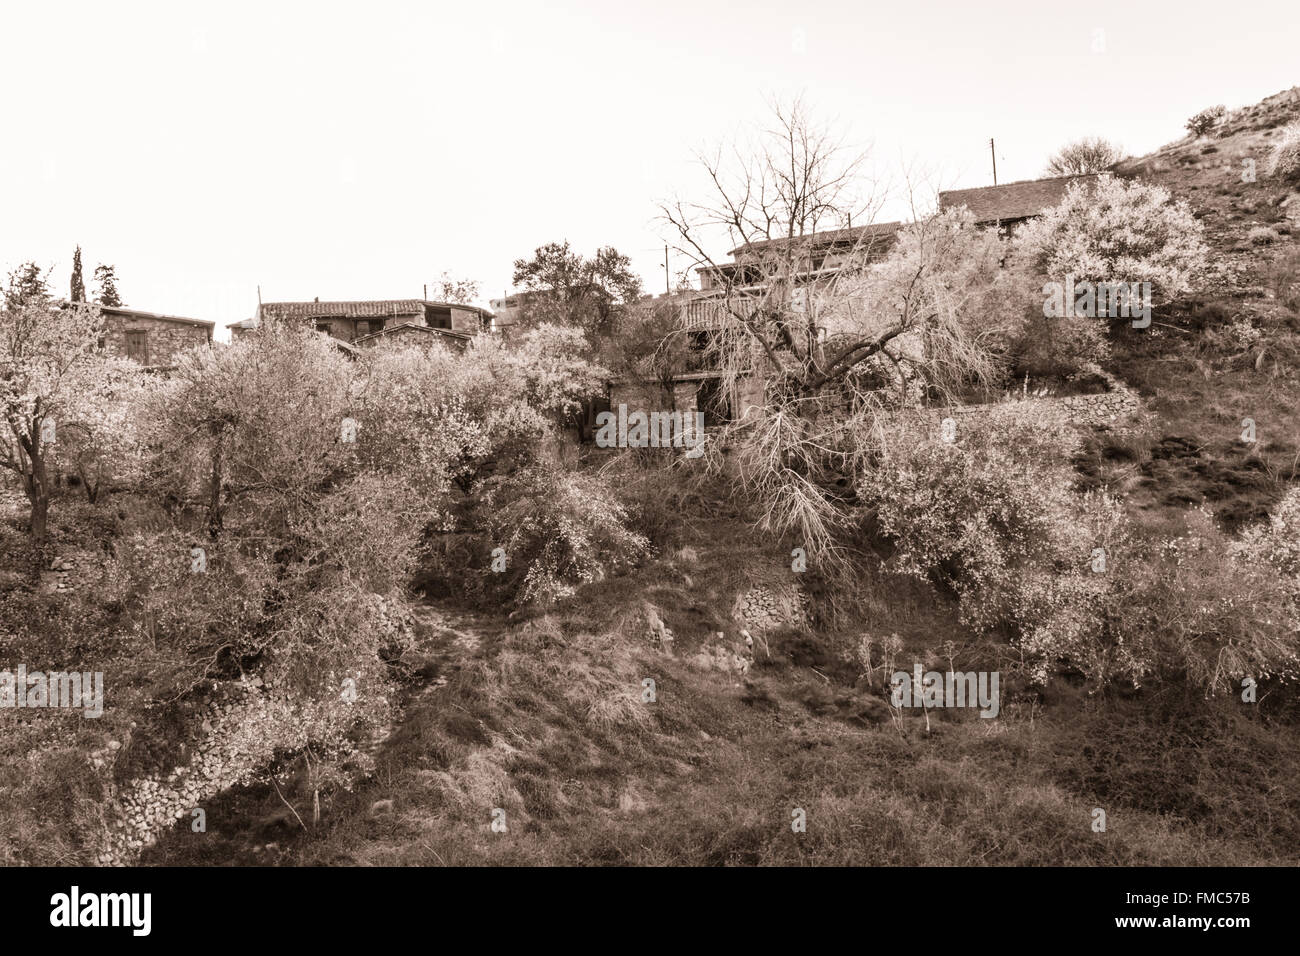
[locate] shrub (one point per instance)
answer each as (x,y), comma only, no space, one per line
(1262,236)
(1093,155)
(1213,610)
(1206,120)
(994,516)
(557,531)
(1284,161)
(1116,231)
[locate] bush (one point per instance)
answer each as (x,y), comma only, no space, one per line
(1212,610)
(557,531)
(1206,120)
(1284,162)
(1262,236)
(993,515)
(1116,231)
(1084,156)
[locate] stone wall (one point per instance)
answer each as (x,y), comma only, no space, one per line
(165,340)
(746,399)
(1105,409)
(651,396)
(465,320)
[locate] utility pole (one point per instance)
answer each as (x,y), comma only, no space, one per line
(667,282)
(995,162)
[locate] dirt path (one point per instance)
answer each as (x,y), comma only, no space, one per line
(448,640)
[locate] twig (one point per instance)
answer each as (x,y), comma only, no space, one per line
(286,802)
(434,852)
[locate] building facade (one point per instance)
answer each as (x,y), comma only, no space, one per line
(352,321)
(149,338)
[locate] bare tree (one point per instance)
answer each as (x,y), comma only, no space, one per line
(821,311)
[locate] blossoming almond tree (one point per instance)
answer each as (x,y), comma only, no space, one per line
(52,373)
(102,444)
(1117,231)
(259,418)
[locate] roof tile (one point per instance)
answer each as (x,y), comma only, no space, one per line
(1011,200)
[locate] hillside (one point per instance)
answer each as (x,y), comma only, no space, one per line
(542,715)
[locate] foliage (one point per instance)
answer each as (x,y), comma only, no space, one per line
(77,288)
(836,332)
(26,285)
(1206,120)
(103,445)
(1284,160)
(262,418)
(450,288)
(994,516)
(559,530)
(572,290)
(1084,156)
(106,285)
(1117,231)
(1283,276)
(52,375)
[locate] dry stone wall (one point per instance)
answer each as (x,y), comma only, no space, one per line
(1105,409)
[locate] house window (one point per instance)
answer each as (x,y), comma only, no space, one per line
(137,347)
(324,327)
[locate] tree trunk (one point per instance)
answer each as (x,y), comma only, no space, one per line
(37,486)
(40,517)
(214,495)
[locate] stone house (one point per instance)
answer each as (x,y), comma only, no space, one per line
(150,338)
(351,321)
(1007,206)
(758,269)
(804,260)
(689,392)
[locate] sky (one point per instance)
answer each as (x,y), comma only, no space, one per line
(357,151)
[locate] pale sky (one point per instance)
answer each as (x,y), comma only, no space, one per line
(353,151)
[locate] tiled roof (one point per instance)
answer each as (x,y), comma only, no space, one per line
(376,308)
(878,230)
(1011,200)
(367,309)
(138,314)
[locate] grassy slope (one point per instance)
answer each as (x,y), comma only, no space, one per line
(545,721)
(1195,380)
(544,717)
